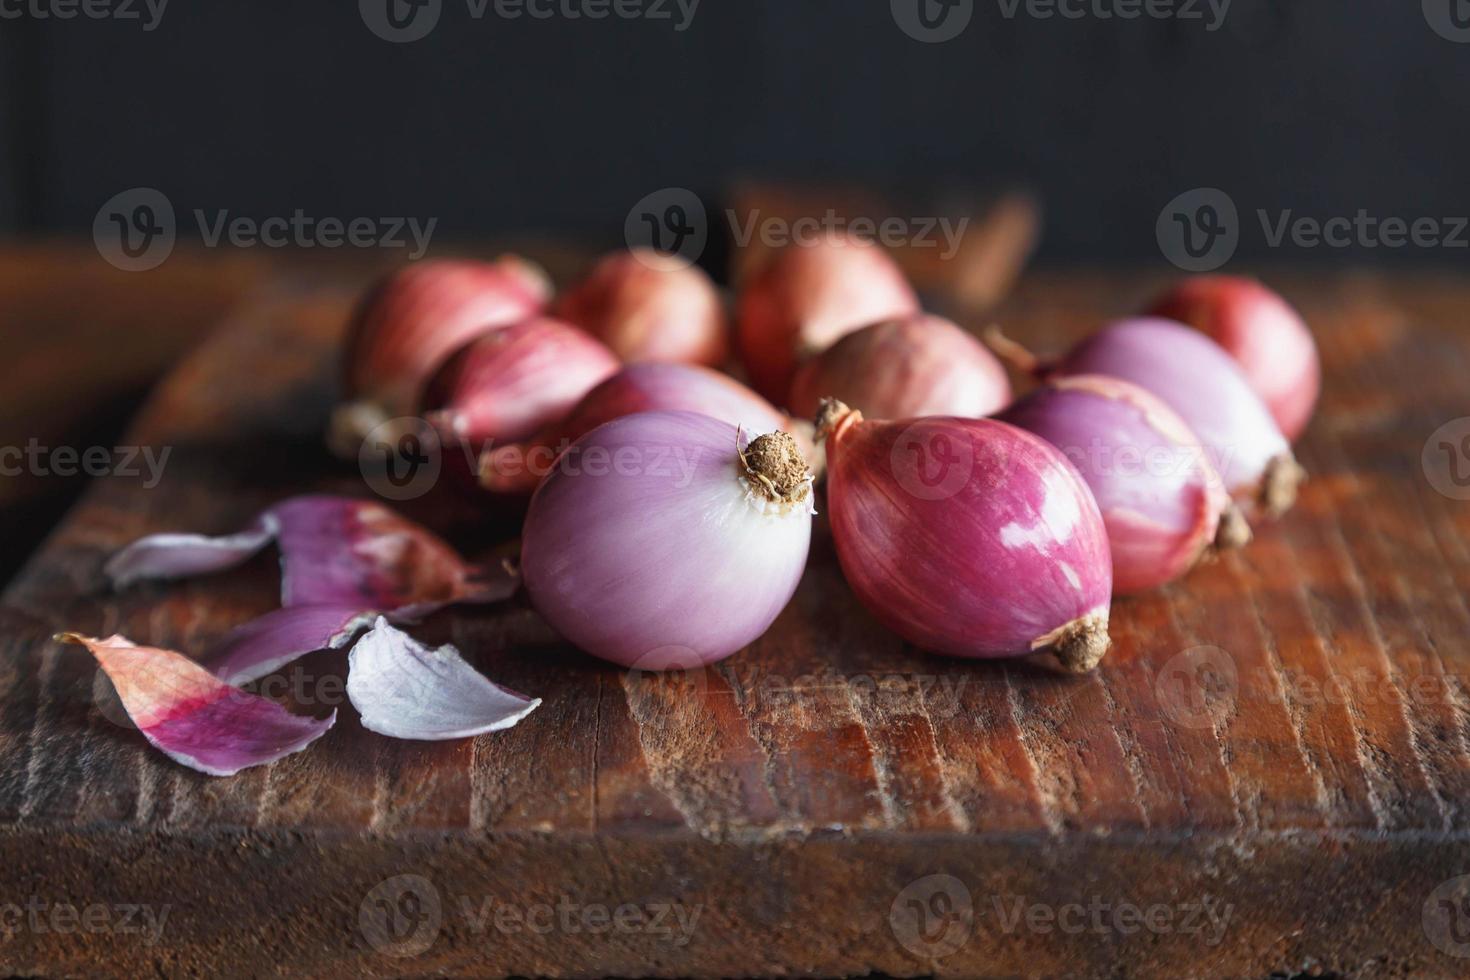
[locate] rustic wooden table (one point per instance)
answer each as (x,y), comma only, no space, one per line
(1270,774)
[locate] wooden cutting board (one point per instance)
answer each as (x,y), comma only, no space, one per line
(1269,773)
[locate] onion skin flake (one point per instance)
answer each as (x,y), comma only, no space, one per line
(404,689)
(195,718)
(335,551)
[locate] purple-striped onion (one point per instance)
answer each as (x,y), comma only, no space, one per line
(659,541)
(410,322)
(515,379)
(1161,500)
(647,309)
(806,297)
(917,365)
(518,467)
(1262,332)
(968,537)
(1195,377)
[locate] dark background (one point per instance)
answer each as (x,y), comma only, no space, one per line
(500,127)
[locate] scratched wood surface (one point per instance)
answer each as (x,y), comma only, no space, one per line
(1283,738)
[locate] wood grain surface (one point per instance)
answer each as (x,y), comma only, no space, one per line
(1269,774)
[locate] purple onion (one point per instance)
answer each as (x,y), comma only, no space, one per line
(968,537)
(1161,500)
(915,365)
(518,466)
(659,542)
(1199,380)
(1269,339)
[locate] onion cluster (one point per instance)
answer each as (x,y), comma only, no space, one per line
(670,507)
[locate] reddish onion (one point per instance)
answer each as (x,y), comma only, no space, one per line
(905,368)
(968,537)
(1261,331)
(1196,378)
(411,321)
(518,467)
(646,309)
(659,543)
(806,297)
(1161,500)
(515,379)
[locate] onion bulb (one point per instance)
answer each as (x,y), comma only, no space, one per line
(806,297)
(1262,332)
(905,368)
(968,537)
(1162,502)
(662,542)
(515,379)
(1194,376)
(517,467)
(411,322)
(648,310)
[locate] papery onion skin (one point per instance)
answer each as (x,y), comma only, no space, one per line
(647,309)
(664,555)
(906,368)
(968,537)
(1202,383)
(806,297)
(515,379)
(411,321)
(518,467)
(1258,328)
(1160,498)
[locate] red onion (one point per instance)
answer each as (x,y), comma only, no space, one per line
(806,297)
(1161,500)
(917,365)
(515,379)
(414,319)
(1260,330)
(1196,378)
(657,542)
(648,310)
(968,537)
(518,467)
